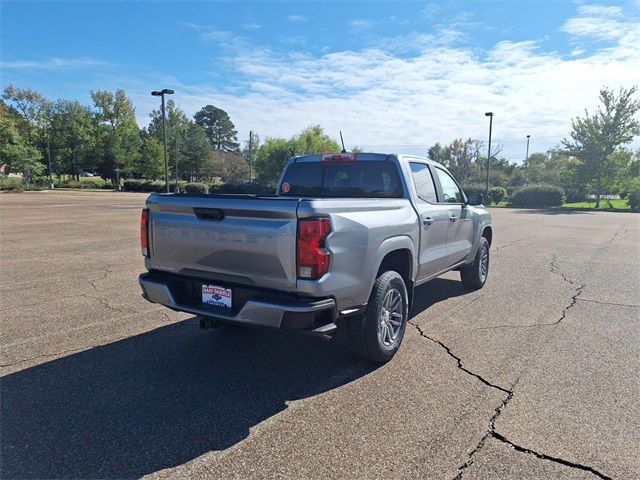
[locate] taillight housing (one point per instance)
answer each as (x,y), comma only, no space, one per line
(312,257)
(144,232)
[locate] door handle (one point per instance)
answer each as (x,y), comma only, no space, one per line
(452,218)
(427,221)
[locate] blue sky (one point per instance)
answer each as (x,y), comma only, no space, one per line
(393,76)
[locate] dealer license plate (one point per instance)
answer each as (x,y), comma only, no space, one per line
(216,296)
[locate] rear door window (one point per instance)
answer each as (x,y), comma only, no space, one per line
(425,188)
(450,190)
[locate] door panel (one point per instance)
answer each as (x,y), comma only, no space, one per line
(434,223)
(460,232)
(434,253)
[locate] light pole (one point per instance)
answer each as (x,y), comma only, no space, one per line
(490,115)
(250,156)
(162,93)
(526,160)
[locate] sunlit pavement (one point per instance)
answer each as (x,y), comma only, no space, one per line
(535,376)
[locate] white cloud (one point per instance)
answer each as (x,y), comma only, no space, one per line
(54,63)
(417,90)
(251,26)
(360,24)
(294,40)
(599,10)
(600,23)
(297,18)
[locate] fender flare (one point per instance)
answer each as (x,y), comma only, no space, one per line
(400,242)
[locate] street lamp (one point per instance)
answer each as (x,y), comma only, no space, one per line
(490,115)
(162,93)
(526,160)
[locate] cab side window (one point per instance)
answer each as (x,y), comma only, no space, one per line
(423,180)
(450,191)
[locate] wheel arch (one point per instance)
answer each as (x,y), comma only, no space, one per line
(487,232)
(398,254)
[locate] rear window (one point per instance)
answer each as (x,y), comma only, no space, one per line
(342,179)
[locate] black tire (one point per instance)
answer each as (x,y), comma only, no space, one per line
(475,274)
(368,337)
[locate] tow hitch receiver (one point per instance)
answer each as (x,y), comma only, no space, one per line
(207,322)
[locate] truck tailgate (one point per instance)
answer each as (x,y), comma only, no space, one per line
(240,239)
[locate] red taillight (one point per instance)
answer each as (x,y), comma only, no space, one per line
(313,258)
(338,157)
(144,232)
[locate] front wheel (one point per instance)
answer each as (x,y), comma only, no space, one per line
(377,335)
(475,274)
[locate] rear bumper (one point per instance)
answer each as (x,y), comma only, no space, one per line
(260,309)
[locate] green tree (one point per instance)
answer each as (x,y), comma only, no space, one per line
(197,153)
(219,128)
(436,153)
(177,127)
(232,166)
(595,138)
(151,163)
(274,153)
(73,135)
(119,142)
(17,154)
(459,155)
(313,140)
(31,105)
(36,112)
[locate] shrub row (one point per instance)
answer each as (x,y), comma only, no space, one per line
(11,183)
(91,182)
(541,195)
(143,185)
(496,194)
(246,188)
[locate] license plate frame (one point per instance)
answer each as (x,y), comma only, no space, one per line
(217,296)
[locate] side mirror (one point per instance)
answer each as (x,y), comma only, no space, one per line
(474,199)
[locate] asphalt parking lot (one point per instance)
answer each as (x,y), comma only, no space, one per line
(534,376)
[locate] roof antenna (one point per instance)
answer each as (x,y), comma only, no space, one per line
(344,150)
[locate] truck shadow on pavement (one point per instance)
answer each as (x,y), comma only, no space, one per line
(160,399)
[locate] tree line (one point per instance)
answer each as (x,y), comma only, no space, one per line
(104,138)
(594,158)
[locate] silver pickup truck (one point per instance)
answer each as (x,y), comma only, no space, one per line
(342,244)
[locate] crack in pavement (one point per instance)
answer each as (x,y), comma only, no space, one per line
(459,360)
(106,271)
(556,269)
(591,300)
(615,235)
(544,456)
(491,430)
(106,304)
(492,421)
(574,299)
(509,244)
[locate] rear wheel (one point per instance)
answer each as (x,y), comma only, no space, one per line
(377,335)
(475,274)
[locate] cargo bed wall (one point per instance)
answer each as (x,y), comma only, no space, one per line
(245,240)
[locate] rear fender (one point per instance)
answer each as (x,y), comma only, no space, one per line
(403,242)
